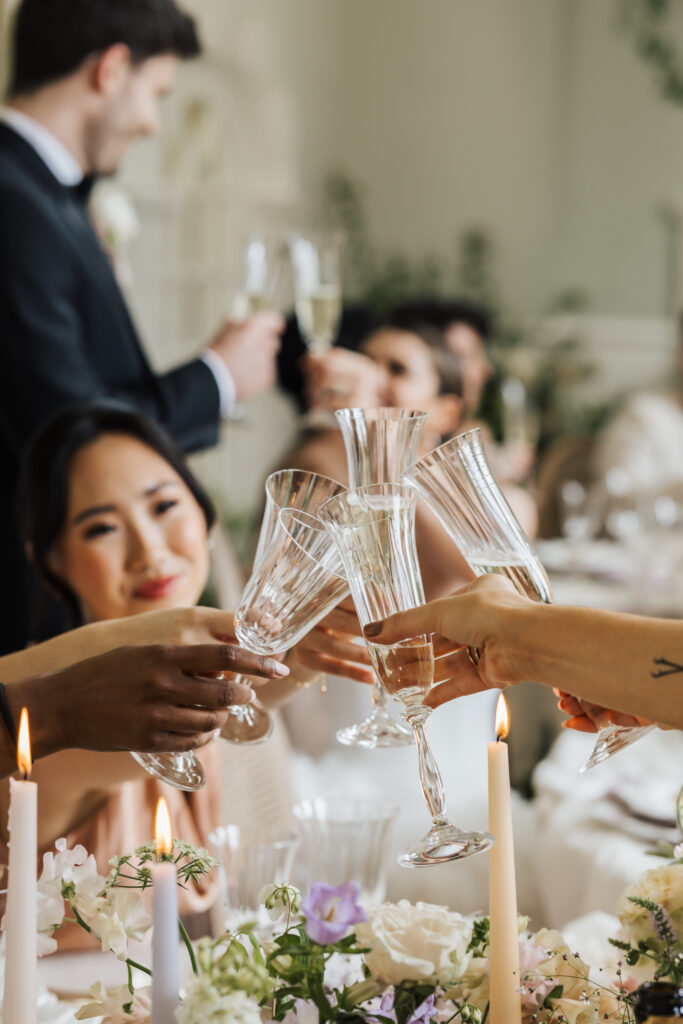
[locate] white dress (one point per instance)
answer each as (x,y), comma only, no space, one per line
(645,438)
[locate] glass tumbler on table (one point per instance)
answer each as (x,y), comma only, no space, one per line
(380,445)
(457,483)
(374,528)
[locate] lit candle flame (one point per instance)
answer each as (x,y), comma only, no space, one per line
(24,745)
(502,718)
(163,841)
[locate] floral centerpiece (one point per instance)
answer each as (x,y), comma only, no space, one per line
(326,958)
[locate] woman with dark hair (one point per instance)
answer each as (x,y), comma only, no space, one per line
(117,525)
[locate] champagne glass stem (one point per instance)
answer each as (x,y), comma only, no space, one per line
(379,696)
(430,776)
(247,723)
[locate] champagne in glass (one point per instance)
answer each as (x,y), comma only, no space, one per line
(374,529)
(317,265)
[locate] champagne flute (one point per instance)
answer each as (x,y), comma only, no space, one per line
(317,265)
(374,529)
(380,444)
(456,482)
(263,276)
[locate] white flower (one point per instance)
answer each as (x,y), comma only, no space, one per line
(117,917)
(415,942)
(67,869)
(203,1004)
(678,851)
(280,900)
(114,216)
(663,885)
(109,1005)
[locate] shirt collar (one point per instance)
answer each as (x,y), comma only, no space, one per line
(52,152)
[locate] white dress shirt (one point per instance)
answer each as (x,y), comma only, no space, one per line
(68,172)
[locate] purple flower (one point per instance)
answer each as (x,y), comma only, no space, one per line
(424,1012)
(330,909)
(385,1008)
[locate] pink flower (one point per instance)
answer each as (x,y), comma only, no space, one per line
(533,985)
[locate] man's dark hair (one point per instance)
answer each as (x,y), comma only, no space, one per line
(43,491)
(443,313)
(52,38)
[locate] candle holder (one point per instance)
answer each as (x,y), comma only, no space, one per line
(380,444)
(374,529)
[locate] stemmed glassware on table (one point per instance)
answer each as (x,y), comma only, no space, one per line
(294,490)
(456,482)
(374,529)
(317,267)
(380,445)
(181,770)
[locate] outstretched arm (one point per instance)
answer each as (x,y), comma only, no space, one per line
(627,662)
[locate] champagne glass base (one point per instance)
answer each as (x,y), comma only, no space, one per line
(444,843)
(247,723)
(379,730)
(183,771)
(610,740)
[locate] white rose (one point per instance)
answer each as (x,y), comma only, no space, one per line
(415,942)
(204,1003)
(662,885)
(562,965)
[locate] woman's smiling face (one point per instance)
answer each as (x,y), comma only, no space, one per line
(134,537)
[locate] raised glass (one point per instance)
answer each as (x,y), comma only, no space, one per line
(292,488)
(264,275)
(183,771)
(380,445)
(296,582)
(374,529)
(317,265)
(457,483)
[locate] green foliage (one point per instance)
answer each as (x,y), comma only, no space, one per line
(649,24)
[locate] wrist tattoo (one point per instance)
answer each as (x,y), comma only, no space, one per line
(669,668)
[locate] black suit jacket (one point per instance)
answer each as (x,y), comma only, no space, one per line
(66,336)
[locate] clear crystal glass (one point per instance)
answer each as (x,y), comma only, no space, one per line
(183,771)
(380,445)
(346,838)
(250,858)
(287,488)
(374,528)
(456,482)
(317,266)
(296,582)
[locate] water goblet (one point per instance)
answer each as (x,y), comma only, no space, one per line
(380,445)
(250,858)
(296,582)
(457,483)
(374,529)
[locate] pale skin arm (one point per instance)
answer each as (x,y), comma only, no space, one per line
(628,662)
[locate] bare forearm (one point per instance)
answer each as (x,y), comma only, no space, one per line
(63,650)
(627,662)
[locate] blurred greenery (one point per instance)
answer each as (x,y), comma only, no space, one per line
(382,281)
(654,27)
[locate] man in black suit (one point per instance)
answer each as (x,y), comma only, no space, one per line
(88,76)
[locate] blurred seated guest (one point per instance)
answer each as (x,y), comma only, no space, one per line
(117,525)
(644,438)
(405,365)
(467,329)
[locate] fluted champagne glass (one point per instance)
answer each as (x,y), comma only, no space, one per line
(456,481)
(374,529)
(317,266)
(380,445)
(295,488)
(298,580)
